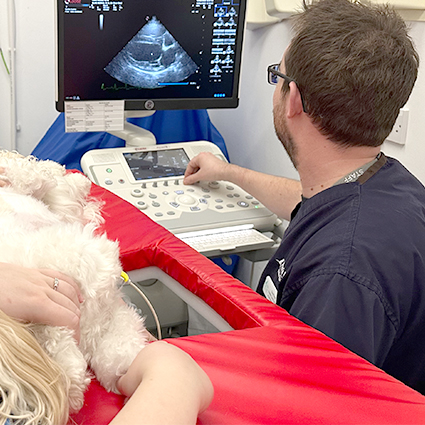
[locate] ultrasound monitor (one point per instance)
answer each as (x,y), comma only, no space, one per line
(153,54)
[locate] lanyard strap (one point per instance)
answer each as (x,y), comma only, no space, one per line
(373,169)
(362,172)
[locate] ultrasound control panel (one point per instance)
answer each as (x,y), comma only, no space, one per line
(151,178)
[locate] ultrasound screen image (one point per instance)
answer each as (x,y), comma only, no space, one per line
(157,164)
(151,59)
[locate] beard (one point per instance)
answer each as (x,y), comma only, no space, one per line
(283,133)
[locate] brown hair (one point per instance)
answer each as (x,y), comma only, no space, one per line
(355,66)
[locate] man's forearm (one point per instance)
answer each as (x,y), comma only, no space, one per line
(279,194)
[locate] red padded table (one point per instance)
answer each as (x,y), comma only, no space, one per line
(272,369)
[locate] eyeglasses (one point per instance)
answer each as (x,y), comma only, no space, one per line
(272,77)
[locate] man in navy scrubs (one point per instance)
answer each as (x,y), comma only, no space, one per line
(352,260)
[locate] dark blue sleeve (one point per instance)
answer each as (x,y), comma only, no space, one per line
(347,311)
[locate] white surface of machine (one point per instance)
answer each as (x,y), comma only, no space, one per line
(151,178)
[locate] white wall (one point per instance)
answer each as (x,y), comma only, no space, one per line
(248,130)
(35,72)
(412,155)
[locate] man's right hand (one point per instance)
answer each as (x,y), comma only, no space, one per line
(279,194)
(205,167)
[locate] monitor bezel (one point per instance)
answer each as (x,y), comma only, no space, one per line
(146,104)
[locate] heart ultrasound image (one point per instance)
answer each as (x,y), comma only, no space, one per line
(151,59)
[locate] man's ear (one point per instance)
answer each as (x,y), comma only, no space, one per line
(294,104)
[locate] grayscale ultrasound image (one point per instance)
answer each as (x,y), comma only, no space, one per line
(151,59)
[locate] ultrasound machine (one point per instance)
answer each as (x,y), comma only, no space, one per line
(130,58)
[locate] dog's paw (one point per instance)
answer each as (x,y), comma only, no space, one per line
(76,394)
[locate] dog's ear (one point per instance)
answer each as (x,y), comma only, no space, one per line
(71,200)
(29,176)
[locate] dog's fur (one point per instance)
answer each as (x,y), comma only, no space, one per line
(48,221)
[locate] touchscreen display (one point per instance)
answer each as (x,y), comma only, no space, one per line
(157,164)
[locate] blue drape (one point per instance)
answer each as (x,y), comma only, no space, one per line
(167,126)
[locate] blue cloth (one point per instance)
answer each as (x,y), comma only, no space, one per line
(352,264)
(167,126)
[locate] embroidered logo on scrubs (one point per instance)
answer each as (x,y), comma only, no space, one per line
(281,271)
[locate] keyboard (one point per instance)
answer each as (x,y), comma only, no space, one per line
(226,240)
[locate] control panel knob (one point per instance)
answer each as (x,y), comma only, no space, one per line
(214,185)
(137,193)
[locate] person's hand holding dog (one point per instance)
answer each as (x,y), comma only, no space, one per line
(40,296)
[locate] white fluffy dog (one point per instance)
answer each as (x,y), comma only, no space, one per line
(48,221)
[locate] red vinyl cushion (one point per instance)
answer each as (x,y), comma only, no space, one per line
(291,374)
(272,369)
(99,407)
(144,243)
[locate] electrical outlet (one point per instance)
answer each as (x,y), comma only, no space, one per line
(399,131)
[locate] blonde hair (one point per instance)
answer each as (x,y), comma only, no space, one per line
(33,388)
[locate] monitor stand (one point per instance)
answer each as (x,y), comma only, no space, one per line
(134,135)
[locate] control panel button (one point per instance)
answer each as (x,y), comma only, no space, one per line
(214,185)
(243,204)
(108,182)
(137,193)
(141,205)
